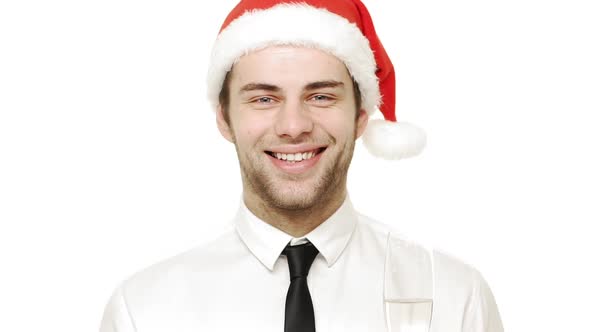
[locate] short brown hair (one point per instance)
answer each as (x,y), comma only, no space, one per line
(224,96)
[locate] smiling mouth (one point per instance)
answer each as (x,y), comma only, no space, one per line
(295,157)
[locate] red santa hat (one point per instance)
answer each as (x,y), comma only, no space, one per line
(342,28)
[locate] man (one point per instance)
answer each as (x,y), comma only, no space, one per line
(293,86)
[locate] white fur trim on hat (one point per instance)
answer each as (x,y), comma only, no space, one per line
(296,24)
(393,140)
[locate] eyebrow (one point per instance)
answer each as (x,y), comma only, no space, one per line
(323,84)
(259,86)
(273,88)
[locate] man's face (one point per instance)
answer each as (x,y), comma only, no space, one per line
(293,122)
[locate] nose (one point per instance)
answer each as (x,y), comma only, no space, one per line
(293,120)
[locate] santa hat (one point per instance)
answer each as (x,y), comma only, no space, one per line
(342,28)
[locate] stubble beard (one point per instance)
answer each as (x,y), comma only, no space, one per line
(288,195)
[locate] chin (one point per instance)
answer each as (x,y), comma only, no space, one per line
(293,204)
(293,196)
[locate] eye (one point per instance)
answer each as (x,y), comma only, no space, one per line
(321,100)
(264,100)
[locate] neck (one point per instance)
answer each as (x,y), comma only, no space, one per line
(295,222)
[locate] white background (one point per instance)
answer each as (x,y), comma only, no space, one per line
(110,160)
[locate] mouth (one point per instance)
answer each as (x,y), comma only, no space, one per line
(295,157)
(294,162)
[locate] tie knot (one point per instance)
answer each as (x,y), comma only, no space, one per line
(300,258)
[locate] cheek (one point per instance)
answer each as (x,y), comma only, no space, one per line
(336,125)
(249,128)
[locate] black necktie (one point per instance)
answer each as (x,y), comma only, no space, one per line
(298,307)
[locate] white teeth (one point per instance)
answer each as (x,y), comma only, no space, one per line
(294,157)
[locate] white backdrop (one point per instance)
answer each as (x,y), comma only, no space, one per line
(110,160)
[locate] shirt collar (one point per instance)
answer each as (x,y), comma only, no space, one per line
(267,242)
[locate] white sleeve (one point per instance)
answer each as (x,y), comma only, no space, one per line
(116,316)
(482,312)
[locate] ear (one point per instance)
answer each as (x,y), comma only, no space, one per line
(361,123)
(223,126)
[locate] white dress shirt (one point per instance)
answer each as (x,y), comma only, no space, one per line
(366,277)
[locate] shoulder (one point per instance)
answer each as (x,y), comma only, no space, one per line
(378,228)
(442,260)
(453,266)
(448,271)
(393,237)
(454,279)
(462,296)
(172,273)
(161,292)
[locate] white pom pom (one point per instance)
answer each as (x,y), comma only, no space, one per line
(393,140)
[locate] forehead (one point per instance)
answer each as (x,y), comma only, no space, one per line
(289,65)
